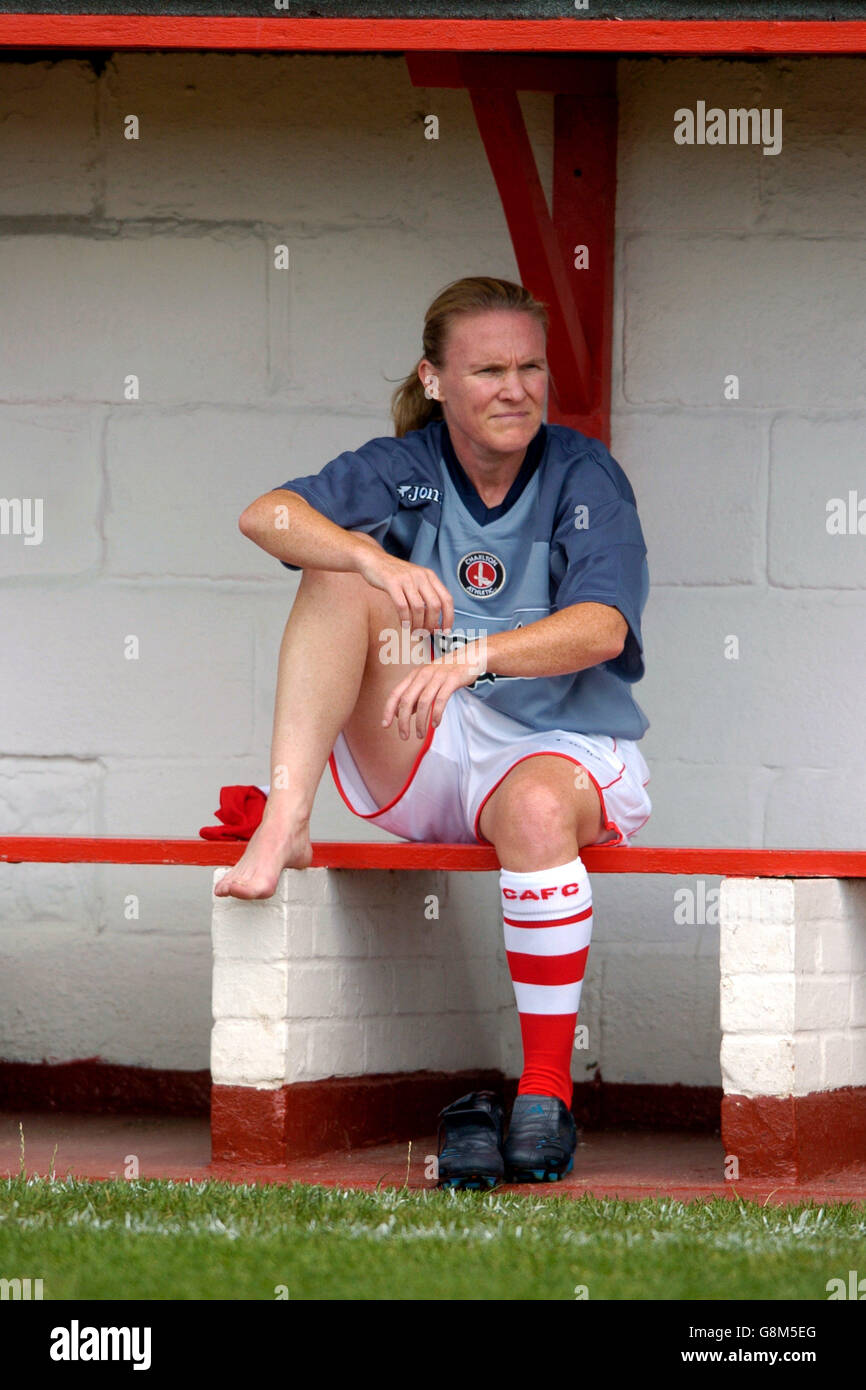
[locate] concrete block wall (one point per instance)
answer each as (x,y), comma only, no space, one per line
(347,973)
(793,1014)
(344,974)
(793,992)
(153,258)
(341,977)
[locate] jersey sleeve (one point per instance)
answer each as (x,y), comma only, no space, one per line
(600,555)
(356,490)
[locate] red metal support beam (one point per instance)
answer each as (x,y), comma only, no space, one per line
(567,35)
(584,210)
(536,246)
(550,247)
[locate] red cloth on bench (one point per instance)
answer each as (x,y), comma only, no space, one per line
(240,810)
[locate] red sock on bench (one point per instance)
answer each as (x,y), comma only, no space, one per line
(548,924)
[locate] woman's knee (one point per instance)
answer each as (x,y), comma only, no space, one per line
(534,818)
(543,818)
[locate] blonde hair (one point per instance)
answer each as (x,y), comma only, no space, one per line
(410,407)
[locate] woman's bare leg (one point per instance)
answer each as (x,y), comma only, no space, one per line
(330,677)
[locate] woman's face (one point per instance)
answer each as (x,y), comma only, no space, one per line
(493,384)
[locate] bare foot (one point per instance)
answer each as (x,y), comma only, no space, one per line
(273,847)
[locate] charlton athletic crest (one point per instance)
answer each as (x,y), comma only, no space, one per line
(481,574)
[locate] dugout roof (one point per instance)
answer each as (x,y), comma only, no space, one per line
(493,49)
(732,11)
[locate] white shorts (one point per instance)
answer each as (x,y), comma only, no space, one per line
(462,762)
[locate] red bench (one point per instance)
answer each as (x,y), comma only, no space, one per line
(350,854)
(793,960)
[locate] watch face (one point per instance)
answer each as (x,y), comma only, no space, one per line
(481,574)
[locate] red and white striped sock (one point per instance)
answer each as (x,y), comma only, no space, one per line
(548,925)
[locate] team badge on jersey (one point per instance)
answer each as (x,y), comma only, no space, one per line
(481,574)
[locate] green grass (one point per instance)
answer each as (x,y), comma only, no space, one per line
(210,1240)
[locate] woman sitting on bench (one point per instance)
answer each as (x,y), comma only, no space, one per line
(513,552)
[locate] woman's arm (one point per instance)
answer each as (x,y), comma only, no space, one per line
(287,527)
(582,635)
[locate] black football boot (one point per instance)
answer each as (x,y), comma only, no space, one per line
(542,1138)
(470,1141)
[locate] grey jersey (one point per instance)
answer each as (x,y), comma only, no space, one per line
(567,533)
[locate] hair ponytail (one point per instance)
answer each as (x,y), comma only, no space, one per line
(411,408)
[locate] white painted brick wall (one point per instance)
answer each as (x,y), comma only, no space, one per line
(395,995)
(793,959)
(367,985)
(154,258)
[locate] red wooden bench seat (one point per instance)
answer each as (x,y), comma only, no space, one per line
(351,854)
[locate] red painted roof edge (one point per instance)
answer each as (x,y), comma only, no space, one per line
(416,35)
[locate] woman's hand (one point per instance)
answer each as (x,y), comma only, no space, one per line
(426,691)
(418,594)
